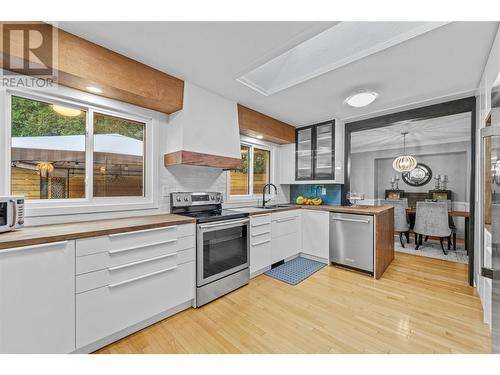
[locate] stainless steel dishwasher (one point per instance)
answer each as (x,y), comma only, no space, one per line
(351,241)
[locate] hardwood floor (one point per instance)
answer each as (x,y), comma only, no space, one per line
(420,305)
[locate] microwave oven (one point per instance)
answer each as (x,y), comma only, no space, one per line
(11,213)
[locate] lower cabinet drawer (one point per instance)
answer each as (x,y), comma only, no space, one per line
(260,254)
(285,225)
(127,271)
(112,258)
(104,311)
(284,247)
(121,241)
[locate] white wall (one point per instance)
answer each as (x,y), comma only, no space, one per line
(490,74)
(442,159)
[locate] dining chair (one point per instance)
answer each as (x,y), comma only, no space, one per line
(431,219)
(451,223)
(401,223)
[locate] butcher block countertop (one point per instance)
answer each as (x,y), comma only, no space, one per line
(41,234)
(360,210)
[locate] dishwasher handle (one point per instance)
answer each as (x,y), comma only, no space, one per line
(351,220)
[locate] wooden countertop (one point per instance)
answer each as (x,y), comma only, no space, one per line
(360,210)
(41,234)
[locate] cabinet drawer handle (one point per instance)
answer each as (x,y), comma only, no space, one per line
(261,243)
(142,231)
(20,248)
(261,233)
(141,277)
(141,262)
(286,219)
(260,224)
(141,246)
(351,220)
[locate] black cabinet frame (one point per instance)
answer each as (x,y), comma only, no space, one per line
(314,145)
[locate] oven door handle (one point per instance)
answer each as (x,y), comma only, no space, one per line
(223,224)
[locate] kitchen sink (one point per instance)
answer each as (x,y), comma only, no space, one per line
(273,206)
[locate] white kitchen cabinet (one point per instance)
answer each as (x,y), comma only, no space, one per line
(287,164)
(37,298)
(315,233)
(114,307)
(126,279)
(285,235)
(260,243)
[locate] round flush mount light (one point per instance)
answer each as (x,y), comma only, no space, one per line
(260,137)
(361,99)
(95,90)
(66,111)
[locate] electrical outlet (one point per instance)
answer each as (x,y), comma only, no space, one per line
(323,191)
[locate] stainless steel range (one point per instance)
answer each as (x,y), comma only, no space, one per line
(222,243)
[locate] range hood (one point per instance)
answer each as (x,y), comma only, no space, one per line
(205,132)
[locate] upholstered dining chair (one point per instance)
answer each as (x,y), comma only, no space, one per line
(432,220)
(451,223)
(401,223)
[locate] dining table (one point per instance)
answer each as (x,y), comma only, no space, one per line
(463,214)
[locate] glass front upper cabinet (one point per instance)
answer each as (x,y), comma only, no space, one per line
(304,154)
(315,152)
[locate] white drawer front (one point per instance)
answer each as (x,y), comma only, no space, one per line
(260,254)
(284,247)
(117,274)
(260,233)
(257,221)
(87,246)
(285,214)
(99,261)
(285,225)
(107,310)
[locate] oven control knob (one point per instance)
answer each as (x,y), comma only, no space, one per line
(212,197)
(186,199)
(178,199)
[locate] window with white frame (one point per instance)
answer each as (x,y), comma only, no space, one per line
(69,153)
(256,171)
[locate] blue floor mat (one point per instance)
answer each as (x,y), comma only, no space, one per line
(296,270)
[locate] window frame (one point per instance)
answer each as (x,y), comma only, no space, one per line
(89,103)
(252,144)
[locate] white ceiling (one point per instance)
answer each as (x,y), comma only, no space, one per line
(443,62)
(331,49)
(441,130)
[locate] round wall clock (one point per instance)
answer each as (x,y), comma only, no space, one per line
(420,176)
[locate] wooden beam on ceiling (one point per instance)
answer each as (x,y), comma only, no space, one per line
(254,124)
(81,63)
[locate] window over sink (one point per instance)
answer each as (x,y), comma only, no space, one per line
(256,171)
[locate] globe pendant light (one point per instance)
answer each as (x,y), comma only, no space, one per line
(404,163)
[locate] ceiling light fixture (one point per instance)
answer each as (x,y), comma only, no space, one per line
(404,163)
(259,137)
(361,99)
(66,111)
(95,90)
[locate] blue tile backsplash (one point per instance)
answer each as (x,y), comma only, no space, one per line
(332,196)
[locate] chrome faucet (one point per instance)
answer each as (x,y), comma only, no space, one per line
(264,194)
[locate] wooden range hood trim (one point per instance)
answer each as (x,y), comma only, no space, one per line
(184,157)
(253,124)
(81,63)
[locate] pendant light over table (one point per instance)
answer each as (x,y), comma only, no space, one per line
(404,163)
